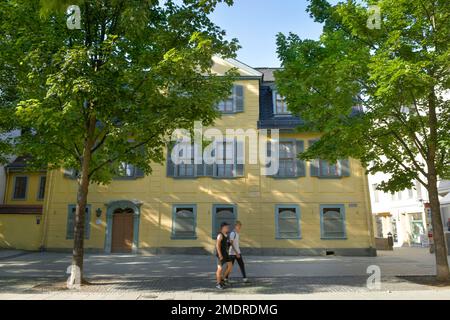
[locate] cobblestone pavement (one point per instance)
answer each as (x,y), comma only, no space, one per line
(161,286)
(405,274)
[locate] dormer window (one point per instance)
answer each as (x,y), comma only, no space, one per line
(280,106)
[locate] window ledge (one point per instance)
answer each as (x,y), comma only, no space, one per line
(330,178)
(183,238)
(292,238)
(331,238)
(231,113)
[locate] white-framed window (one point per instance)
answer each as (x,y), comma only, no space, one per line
(280,106)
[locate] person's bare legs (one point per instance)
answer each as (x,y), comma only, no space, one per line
(228,270)
(219,274)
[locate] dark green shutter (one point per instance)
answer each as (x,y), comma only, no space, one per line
(301,168)
(345,167)
(238,92)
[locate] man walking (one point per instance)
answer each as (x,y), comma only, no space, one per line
(235,251)
(223,257)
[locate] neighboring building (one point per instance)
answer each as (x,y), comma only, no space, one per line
(444,192)
(308,208)
(401,214)
(2,167)
(21,213)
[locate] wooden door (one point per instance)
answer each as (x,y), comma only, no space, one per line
(122,233)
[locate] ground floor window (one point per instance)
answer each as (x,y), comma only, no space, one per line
(287,222)
(71,222)
(221,214)
(184,223)
(332,219)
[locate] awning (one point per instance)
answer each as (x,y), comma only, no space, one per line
(383,215)
(446,200)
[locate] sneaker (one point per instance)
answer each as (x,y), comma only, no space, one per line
(246,280)
(220,287)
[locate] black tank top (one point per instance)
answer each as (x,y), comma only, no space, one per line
(223,245)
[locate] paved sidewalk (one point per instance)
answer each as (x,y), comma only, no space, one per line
(406,274)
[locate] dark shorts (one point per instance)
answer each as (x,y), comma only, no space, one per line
(224,261)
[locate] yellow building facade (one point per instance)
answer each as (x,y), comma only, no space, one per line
(21,213)
(307,209)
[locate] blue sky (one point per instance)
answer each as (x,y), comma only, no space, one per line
(256,22)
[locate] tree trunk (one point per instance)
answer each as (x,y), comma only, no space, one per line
(76,273)
(442,268)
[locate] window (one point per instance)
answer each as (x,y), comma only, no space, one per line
(410,193)
(287,222)
(129,171)
(71,222)
(186,166)
(184,222)
(234,103)
(20,188)
(289,166)
(332,218)
(126,170)
(279,104)
(288,163)
(325,169)
(221,214)
(230,158)
(225,157)
(376,193)
(328,169)
(41,191)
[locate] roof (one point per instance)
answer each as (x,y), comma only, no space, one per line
(268,73)
(19,163)
(244,69)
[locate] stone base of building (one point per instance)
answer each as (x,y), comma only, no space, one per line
(287,252)
(351,252)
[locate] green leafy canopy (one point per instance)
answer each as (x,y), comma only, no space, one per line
(137,70)
(398,74)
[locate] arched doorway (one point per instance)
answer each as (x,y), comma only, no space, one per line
(122,227)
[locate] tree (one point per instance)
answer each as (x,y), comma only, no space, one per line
(397,75)
(111,92)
